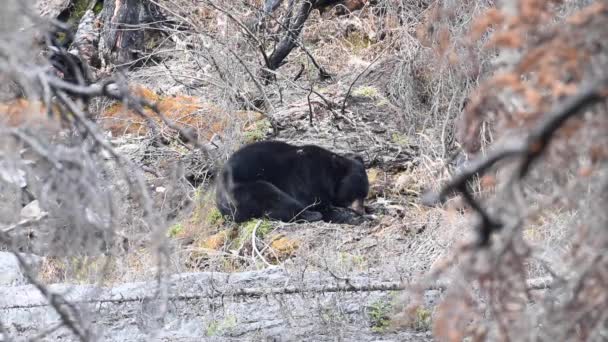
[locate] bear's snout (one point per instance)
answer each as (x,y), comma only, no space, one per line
(358,206)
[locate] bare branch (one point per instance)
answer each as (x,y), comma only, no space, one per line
(529,150)
(350,88)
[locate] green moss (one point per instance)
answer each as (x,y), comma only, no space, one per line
(204,210)
(400,139)
(366,91)
(358,41)
(199,200)
(322,90)
(264,228)
(217,327)
(152,43)
(214,217)
(379,315)
(60,36)
(258,132)
(382,102)
(78,10)
(98,7)
(355,261)
(175,230)
(246,230)
(423,319)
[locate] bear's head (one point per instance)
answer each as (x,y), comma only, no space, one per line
(354,186)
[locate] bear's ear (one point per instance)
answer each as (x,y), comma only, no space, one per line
(355,157)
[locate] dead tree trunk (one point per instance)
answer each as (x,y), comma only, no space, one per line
(121,41)
(292,32)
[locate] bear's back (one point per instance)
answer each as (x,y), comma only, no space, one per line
(265,160)
(294,169)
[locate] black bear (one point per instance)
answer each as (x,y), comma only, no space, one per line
(284,182)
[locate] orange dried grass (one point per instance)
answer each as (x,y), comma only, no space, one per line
(186,111)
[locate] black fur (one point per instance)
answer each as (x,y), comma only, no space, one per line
(283,182)
(70,67)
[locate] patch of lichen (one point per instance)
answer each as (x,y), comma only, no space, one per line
(246,230)
(358,41)
(216,241)
(257,130)
(283,247)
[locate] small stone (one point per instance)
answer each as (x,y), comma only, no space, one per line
(32,210)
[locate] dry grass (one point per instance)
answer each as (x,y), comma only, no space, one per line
(205,119)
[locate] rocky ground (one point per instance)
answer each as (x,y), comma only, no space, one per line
(268,305)
(293,281)
(317,288)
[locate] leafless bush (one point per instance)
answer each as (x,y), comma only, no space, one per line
(437,68)
(552,91)
(81,195)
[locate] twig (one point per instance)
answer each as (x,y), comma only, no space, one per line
(300,72)
(47,332)
(25,223)
(244,27)
(254,248)
(251,292)
(310,112)
(303,210)
(350,88)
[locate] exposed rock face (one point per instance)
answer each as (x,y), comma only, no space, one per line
(266,305)
(51,8)
(11,273)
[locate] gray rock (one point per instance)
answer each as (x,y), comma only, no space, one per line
(51,8)
(267,305)
(11,273)
(32,210)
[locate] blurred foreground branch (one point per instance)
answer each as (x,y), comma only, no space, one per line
(526,151)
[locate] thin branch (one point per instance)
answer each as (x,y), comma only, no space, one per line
(24,223)
(338,284)
(350,88)
(245,28)
(323,74)
(540,137)
(310,111)
(254,248)
(529,150)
